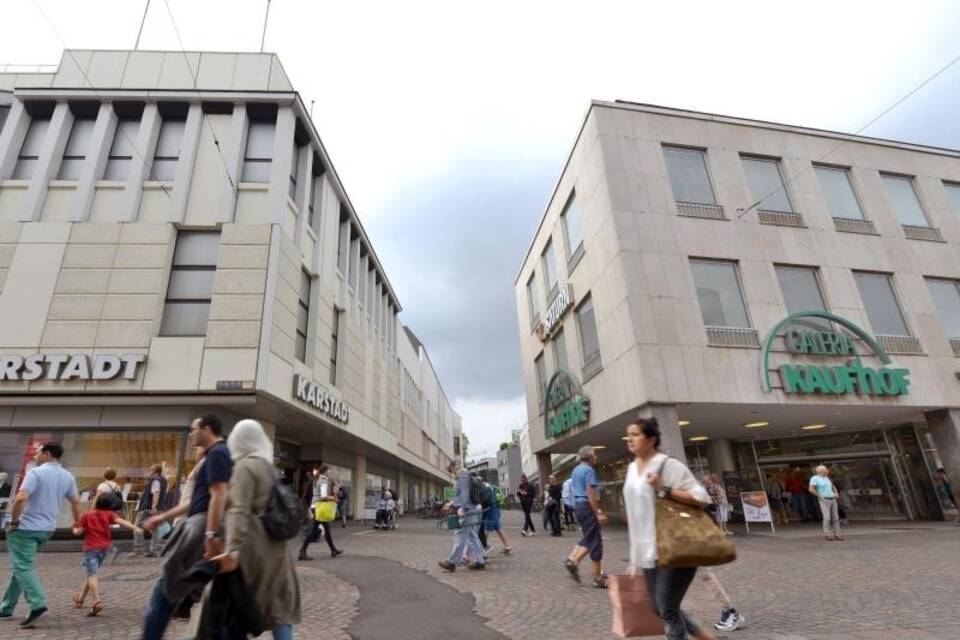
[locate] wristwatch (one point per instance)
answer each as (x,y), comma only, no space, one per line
(664,491)
(209,535)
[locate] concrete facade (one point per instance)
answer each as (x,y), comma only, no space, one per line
(657,356)
(86,267)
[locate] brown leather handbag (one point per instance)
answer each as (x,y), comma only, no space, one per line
(688,537)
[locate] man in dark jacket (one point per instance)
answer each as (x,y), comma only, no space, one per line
(153,500)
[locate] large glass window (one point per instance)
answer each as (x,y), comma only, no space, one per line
(259,151)
(540,367)
(571,223)
(303,315)
(719,295)
(689,178)
(560,350)
(838,192)
(187,305)
(801,289)
(294,171)
(549,259)
(335,346)
(533,297)
(167,154)
(946,297)
(903,196)
(876,291)
(953,196)
(30,150)
(4,111)
(589,338)
(78,145)
(122,150)
(766,184)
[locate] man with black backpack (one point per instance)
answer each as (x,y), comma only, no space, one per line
(467,504)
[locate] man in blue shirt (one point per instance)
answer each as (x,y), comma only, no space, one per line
(586,504)
(822,487)
(33,520)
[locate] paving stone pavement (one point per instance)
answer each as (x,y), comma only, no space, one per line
(876,586)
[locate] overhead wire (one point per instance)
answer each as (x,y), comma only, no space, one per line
(833,149)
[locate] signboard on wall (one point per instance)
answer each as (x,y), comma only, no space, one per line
(812,344)
(77,366)
(555,313)
(567,407)
(319,398)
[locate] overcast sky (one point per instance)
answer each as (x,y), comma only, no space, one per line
(449,122)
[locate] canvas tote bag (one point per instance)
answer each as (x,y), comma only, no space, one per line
(633,613)
(688,537)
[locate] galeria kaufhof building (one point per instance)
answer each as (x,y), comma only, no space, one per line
(777,296)
(175,240)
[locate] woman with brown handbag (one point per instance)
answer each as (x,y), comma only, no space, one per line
(650,474)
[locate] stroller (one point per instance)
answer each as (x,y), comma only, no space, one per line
(386,513)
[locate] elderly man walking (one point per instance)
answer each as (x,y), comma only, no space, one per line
(822,487)
(467,503)
(586,501)
(36,509)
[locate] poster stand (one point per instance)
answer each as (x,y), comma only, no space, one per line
(756,508)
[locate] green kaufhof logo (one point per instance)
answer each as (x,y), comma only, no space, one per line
(805,335)
(567,407)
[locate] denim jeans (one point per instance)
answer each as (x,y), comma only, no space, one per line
(667,587)
(467,539)
(159,612)
(283,632)
(23,547)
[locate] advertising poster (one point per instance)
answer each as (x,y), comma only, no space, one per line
(755,506)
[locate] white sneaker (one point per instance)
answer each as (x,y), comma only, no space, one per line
(738,623)
(726,618)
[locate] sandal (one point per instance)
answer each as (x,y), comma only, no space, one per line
(572,569)
(77,602)
(95,610)
(601,582)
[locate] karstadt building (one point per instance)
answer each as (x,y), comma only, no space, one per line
(174,239)
(777,296)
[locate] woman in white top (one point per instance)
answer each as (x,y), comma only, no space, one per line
(650,474)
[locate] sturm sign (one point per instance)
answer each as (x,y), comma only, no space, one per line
(555,313)
(77,366)
(808,339)
(320,399)
(567,407)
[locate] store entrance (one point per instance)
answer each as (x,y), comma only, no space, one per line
(869,487)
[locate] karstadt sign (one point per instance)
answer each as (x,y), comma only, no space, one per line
(77,366)
(319,398)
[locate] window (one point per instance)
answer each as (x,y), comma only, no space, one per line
(903,196)
(77,148)
(800,288)
(838,192)
(876,291)
(343,244)
(313,220)
(294,170)
(560,350)
(187,305)
(533,297)
(122,150)
(4,111)
(549,259)
(335,346)
(766,184)
(719,295)
(589,339)
(167,154)
(953,196)
(571,223)
(256,159)
(688,176)
(541,370)
(946,297)
(30,150)
(303,315)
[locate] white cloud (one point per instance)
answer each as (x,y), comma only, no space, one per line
(487,422)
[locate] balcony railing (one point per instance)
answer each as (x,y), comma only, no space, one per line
(733,337)
(930,234)
(901,345)
(780,218)
(853,225)
(695,210)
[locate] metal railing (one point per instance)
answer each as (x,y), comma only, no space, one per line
(781,218)
(901,345)
(733,337)
(695,210)
(930,234)
(853,225)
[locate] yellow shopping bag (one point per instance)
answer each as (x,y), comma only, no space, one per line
(325,511)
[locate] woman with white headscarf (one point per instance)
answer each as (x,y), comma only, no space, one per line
(268,567)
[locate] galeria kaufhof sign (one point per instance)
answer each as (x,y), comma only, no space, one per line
(567,407)
(813,347)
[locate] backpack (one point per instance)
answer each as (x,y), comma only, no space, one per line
(284,512)
(476,490)
(489,496)
(115,498)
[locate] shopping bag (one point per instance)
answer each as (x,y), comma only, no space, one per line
(633,612)
(325,511)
